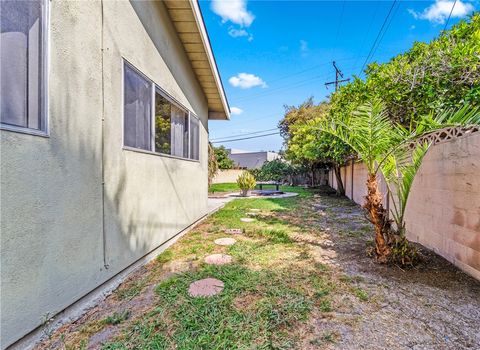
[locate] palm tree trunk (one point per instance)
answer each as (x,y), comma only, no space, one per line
(338,177)
(378,218)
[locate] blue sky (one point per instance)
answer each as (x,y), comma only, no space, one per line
(276,53)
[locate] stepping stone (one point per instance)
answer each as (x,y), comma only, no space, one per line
(252,214)
(205,288)
(247,220)
(255,210)
(218,259)
(234,231)
(225,241)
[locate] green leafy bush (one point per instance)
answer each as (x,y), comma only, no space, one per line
(221,155)
(275,170)
(246,182)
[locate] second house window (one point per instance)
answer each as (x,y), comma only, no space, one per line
(155,122)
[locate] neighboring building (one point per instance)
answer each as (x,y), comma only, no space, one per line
(104,117)
(251,160)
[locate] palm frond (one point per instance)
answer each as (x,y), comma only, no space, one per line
(464,116)
(400,170)
(368,131)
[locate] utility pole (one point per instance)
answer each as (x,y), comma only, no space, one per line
(338,73)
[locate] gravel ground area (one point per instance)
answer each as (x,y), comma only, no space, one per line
(432,306)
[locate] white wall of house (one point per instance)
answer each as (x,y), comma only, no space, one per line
(57,229)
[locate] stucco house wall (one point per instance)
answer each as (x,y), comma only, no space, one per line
(148,197)
(443,211)
(61,235)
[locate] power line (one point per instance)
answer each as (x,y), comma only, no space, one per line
(243,122)
(281,88)
(338,73)
(248,138)
(378,35)
(386,29)
(450,15)
(298,73)
(285,87)
(243,134)
(374,17)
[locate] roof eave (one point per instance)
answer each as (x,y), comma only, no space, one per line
(209,79)
(213,64)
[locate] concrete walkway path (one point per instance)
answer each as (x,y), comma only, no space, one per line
(215,204)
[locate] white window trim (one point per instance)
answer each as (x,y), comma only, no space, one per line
(168,97)
(45,63)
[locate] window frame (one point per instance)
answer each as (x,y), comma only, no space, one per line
(44,71)
(154,89)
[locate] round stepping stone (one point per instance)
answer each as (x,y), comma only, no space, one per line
(218,259)
(225,241)
(205,288)
(247,220)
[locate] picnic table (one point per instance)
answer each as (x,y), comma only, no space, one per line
(260,184)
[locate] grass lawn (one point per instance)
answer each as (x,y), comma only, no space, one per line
(233,187)
(223,187)
(284,289)
(262,298)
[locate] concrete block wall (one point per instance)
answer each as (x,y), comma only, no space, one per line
(443,211)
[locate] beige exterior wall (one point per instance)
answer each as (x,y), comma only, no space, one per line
(52,237)
(227,176)
(443,211)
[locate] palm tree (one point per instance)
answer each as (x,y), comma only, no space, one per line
(390,149)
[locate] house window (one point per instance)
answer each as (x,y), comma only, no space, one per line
(171,127)
(137,110)
(154,122)
(22,61)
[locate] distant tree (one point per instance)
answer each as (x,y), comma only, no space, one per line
(223,161)
(312,149)
(319,148)
(275,170)
(212,163)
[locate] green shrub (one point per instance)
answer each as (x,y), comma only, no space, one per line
(246,182)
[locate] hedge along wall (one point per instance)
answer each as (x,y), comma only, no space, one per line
(443,211)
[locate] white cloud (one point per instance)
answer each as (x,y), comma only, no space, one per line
(234,11)
(246,81)
(236,33)
(440,10)
(303,48)
(236,110)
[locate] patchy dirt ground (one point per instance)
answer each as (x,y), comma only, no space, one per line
(433,306)
(369,306)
